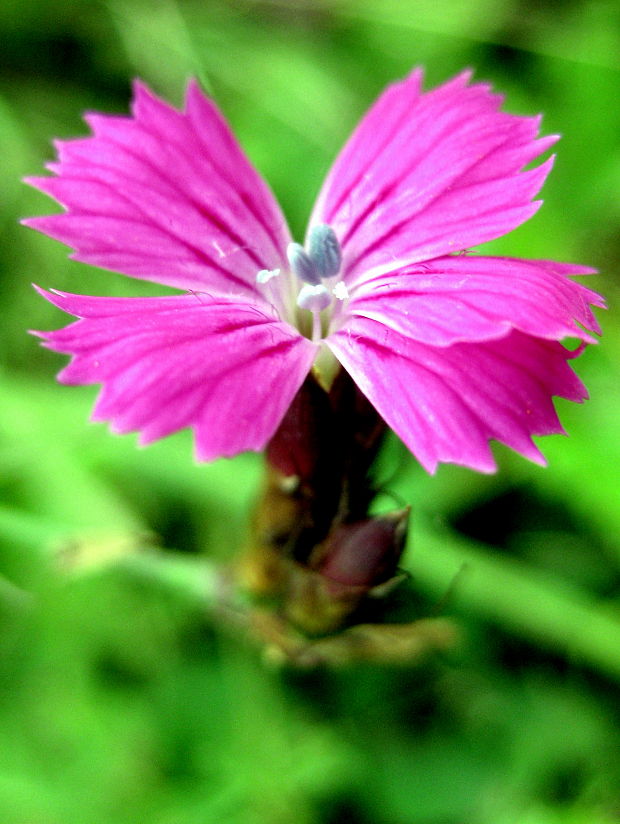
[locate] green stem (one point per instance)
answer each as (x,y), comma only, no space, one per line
(523,600)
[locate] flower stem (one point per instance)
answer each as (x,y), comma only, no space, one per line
(312,515)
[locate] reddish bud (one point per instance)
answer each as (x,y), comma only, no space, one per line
(366,553)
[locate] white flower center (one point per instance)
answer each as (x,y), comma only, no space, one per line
(312,272)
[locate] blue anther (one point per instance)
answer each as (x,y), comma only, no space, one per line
(324,250)
(302,264)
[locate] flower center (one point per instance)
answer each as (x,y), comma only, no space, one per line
(314,268)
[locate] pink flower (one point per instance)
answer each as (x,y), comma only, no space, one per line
(452,349)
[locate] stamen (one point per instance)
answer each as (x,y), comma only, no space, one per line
(316,327)
(324,250)
(321,262)
(302,264)
(265,275)
(315,298)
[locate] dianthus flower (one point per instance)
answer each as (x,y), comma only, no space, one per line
(452,349)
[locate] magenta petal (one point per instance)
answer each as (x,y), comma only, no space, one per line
(428,174)
(445,403)
(470,298)
(165,196)
(228,369)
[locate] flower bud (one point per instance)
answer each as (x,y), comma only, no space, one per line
(366,553)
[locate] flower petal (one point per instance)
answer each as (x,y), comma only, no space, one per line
(165,196)
(445,403)
(469,298)
(428,174)
(228,369)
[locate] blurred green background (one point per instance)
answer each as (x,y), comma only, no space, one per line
(121,700)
